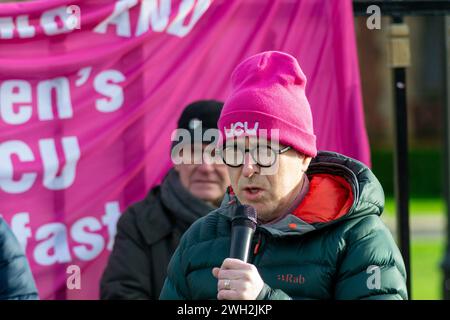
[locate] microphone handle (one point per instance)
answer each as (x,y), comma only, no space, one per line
(241,237)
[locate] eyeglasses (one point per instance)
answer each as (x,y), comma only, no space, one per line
(264,155)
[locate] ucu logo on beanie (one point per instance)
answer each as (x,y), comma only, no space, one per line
(238,129)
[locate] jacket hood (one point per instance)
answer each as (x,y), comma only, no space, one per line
(364,189)
(340,188)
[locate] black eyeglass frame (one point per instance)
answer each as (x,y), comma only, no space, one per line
(254,157)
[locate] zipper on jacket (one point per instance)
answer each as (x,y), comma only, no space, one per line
(258,244)
(258,249)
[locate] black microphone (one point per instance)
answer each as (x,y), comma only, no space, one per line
(243,227)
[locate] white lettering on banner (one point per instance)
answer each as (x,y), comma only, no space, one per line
(16,96)
(6,28)
(54,248)
(120,18)
(178,28)
(113,91)
(50,163)
(66,16)
(24,29)
(156,14)
(79,234)
(83,75)
(110,220)
(24,153)
(151,14)
(49,21)
(15,92)
(52,238)
(63,103)
(19,222)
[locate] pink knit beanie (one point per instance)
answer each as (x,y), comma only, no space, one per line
(268,92)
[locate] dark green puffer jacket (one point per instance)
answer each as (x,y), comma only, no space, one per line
(346,253)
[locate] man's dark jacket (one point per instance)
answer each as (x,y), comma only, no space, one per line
(16,280)
(147,235)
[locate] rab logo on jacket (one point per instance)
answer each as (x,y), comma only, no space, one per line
(290,278)
(237,129)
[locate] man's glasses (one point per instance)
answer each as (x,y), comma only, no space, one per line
(264,155)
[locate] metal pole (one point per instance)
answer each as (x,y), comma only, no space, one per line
(446,262)
(399,60)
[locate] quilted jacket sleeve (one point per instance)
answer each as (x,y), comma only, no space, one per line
(175,286)
(371,266)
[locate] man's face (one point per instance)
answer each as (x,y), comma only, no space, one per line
(207,182)
(270,194)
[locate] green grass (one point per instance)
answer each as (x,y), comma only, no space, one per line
(426,256)
(418,206)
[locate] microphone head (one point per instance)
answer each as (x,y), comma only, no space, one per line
(245,215)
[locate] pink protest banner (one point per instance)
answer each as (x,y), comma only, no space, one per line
(90,92)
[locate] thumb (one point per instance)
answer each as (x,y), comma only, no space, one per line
(215,272)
